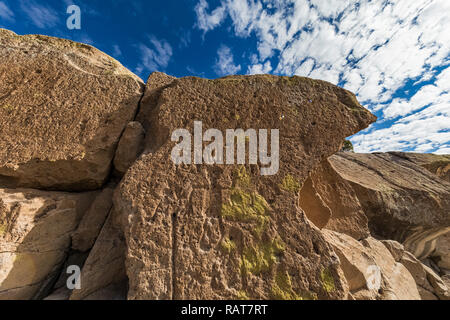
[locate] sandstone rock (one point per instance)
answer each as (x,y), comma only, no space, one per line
(63,107)
(225,231)
(35,230)
(330,202)
(403,201)
(439,286)
(90,226)
(105,265)
(442,251)
(437,164)
(130,147)
(371,270)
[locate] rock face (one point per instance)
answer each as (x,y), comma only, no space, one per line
(63,108)
(437,164)
(371,270)
(330,202)
(225,231)
(104,270)
(35,229)
(402,201)
(286,222)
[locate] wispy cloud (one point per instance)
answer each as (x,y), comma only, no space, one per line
(208,21)
(156,56)
(6,13)
(225,62)
(117,52)
(42,16)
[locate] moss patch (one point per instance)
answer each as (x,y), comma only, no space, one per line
(290,184)
(261,258)
(327,280)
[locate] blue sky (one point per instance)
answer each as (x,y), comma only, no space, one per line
(395,55)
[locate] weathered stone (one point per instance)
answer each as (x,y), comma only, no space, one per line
(35,231)
(225,231)
(90,226)
(105,265)
(442,251)
(402,201)
(440,288)
(63,107)
(130,147)
(437,164)
(362,262)
(330,202)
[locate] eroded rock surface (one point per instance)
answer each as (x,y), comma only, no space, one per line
(63,108)
(225,231)
(371,271)
(35,231)
(402,200)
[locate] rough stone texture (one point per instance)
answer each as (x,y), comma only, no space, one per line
(63,107)
(224,231)
(35,231)
(437,164)
(402,201)
(358,260)
(415,267)
(90,226)
(442,251)
(330,202)
(130,147)
(440,288)
(105,265)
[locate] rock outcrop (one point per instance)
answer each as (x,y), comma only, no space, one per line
(224,231)
(402,201)
(128,184)
(63,108)
(35,230)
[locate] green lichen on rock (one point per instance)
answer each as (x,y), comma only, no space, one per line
(261,258)
(7,107)
(2,229)
(244,204)
(242,295)
(327,280)
(290,184)
(282,288)
(228,245)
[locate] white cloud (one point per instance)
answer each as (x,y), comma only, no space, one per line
(156,57)
(5,12)
(207,21)
(260,68)
(42,16)
(225,62)
(371,47)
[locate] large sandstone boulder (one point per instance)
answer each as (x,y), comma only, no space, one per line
(437,164)
(104,270)
(35,237)
(63,108)
(225,231)
(330,202)
(402,200)
(371,270)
